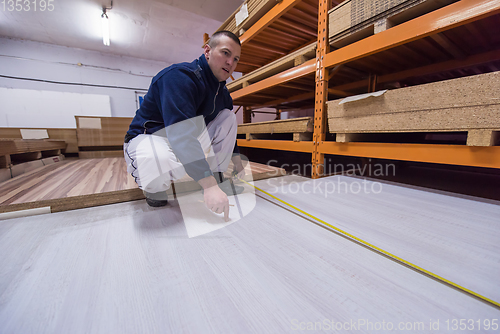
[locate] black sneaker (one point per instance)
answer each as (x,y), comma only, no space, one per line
(155,203)
(156,200)
(227,185)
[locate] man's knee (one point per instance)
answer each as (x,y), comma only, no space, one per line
(228,116)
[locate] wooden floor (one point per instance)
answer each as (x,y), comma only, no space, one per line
(129,268)
(75,184)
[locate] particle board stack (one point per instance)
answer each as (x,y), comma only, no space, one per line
(348,22)
(468,104)
(289,61)
(68,135)
(300,127)
(101,137)
(18,156)
(357,19)
(256,9)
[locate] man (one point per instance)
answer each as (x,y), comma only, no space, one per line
(185,125)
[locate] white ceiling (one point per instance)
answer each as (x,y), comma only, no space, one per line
(165,30)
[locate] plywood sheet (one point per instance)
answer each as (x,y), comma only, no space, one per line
(351,13)
(453,105)
(277,66)
(68,135)
(256,9)
(17,146)
(301,124)
(102,131)
(352,16)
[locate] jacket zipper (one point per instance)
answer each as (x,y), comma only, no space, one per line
(215,99)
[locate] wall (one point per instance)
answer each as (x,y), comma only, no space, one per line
(29,108)
(77,70)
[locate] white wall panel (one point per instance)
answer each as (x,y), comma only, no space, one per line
(48,109)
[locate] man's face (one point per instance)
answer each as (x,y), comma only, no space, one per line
(223,58)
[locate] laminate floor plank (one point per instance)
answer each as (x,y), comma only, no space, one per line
(77,184)
(24,184)
(457,238)
(84,177)
(129,268)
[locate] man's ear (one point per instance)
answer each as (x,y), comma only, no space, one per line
(206,51)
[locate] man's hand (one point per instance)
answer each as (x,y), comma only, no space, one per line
(215,199)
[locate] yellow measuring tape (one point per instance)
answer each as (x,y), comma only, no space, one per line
(380,250)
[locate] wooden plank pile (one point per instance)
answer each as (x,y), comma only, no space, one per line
(301,128)
(67,135)
(256,9)
(18,156)
(101,137)
(289,61)
(468,104)
(356,19)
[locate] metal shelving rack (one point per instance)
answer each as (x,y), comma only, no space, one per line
(466,30)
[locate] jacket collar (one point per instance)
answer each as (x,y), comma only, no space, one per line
(208,74)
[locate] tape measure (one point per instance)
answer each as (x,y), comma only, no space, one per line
(381,251)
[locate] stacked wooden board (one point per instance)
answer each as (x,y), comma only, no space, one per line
(289,61)
(100,137)
(256,9)
(18,156)
(67,135)
(468,104)
(350,21)
(386,45)
(362,18)
(301,128)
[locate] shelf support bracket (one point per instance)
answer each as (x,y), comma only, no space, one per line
(247,116)
(321,91)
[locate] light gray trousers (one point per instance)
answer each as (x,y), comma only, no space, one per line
(153,164)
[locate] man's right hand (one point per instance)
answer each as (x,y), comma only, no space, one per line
(215,199)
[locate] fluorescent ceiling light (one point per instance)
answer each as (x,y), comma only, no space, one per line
(105,28)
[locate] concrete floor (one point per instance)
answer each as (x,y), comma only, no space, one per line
(128,268)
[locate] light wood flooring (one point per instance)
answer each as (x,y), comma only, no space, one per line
(129,268)
(75,184)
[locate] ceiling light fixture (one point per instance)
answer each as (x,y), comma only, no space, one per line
(105,24)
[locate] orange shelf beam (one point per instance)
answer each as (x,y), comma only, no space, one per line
(281,145)
(308,67)
(488,157)
(275,13)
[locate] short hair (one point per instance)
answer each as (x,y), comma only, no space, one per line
(214,40)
